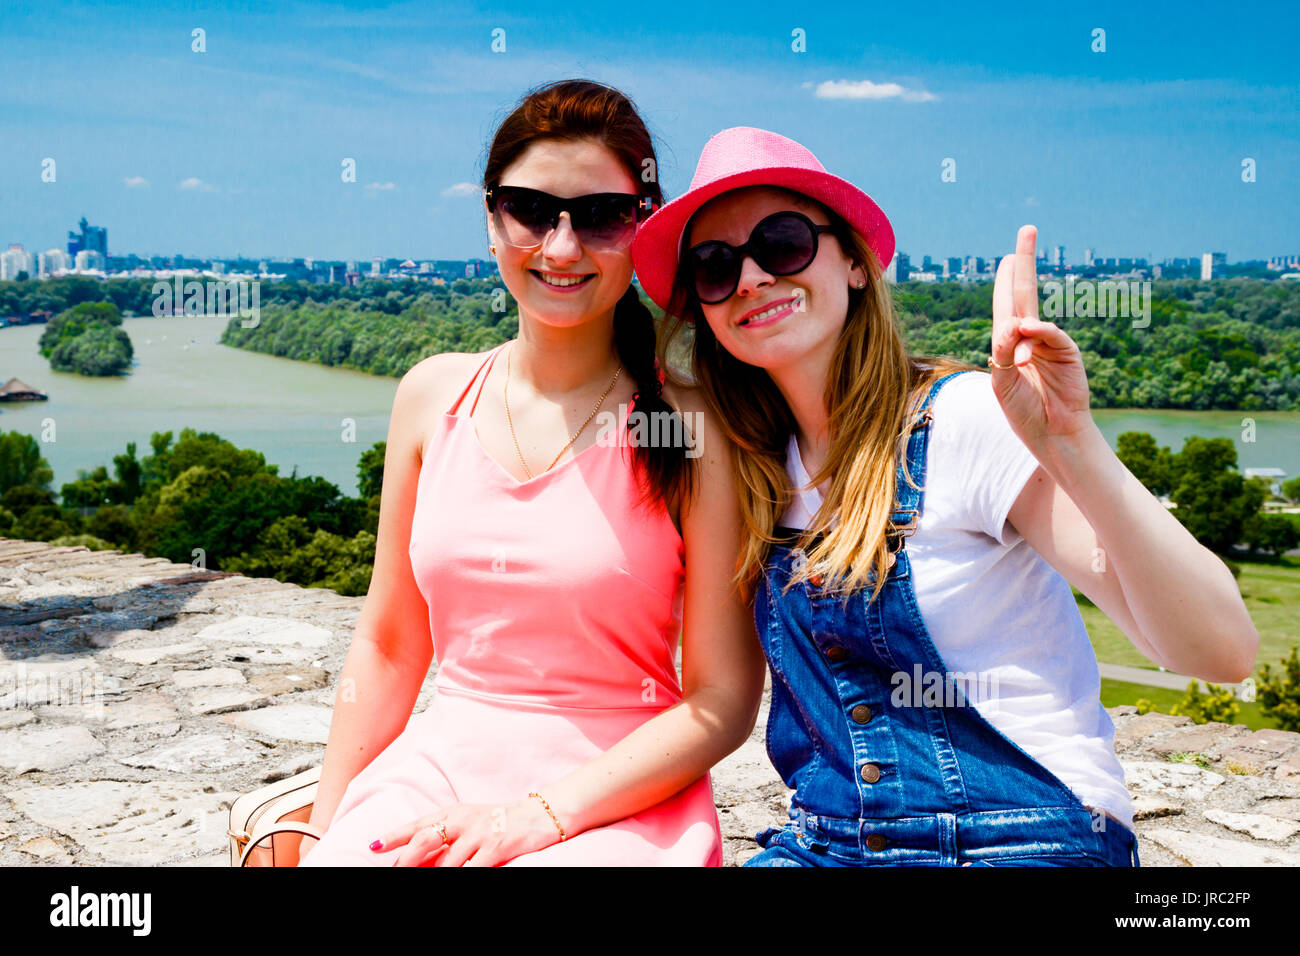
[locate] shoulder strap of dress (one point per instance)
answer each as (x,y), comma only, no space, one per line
(485,364)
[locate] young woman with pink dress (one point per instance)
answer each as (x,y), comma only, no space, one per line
(550,571)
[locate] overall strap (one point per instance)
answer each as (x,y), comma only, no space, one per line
(486,363)
(908,499)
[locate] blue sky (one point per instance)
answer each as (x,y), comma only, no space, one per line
(1136,151)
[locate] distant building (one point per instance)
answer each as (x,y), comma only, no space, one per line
(1087,257)
(903,271)
(1212,264)
(90,260)
(1274,477)
(15,260)
(52,262)
(90,238)
(1058,256)
(18,391)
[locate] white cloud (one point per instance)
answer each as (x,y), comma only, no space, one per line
(195,183)
(867,90)
(136,182)
(380,187)
(461,189)
(1031,201)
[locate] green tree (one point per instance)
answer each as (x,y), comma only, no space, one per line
(1213,499)
(1270,534)
(100,350)
(21,462)
(1150,464)
(72,322)
(1279,698)
(370,470)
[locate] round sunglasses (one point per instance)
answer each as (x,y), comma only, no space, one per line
(781,244)
(603,222)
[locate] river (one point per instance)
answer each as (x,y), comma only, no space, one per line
(297,413)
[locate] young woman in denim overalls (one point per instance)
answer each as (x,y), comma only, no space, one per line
(935,698)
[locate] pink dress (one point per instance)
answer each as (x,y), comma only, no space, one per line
(554,608)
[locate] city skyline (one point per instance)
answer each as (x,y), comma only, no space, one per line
(94,239)
(959,129)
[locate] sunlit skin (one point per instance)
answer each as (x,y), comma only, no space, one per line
(795,347)
(565,168)
(1175,600)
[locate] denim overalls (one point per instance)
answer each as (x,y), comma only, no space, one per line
(878,779)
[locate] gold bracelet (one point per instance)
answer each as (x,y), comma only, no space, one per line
(551,813)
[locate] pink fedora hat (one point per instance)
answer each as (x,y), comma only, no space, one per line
(744,156)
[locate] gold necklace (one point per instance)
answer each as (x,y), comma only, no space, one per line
(609,388)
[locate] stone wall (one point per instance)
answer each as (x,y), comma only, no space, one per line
(139,697)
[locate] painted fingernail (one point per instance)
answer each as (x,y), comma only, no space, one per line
(377,845)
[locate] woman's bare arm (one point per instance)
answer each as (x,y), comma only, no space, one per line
(1171,596)
(1174,599)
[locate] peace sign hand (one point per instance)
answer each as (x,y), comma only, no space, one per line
(1038,373)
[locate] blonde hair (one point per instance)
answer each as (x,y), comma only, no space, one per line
(872,384)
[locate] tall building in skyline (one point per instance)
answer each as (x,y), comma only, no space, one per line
(53,261)
(1212,263)
(16,259)
(91,238)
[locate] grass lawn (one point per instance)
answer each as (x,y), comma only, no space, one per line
(1272,594)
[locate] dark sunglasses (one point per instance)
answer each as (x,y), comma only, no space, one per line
(781,244)
(603,222)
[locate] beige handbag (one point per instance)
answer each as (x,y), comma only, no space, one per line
(275,815)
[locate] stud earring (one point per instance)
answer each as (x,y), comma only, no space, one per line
(492,249)
(859,284)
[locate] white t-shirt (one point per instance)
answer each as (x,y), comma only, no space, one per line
(993,607)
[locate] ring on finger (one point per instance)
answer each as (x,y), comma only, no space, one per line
(442,830)
(993,364)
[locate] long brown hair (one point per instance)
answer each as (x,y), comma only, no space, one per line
(872,383)
(583,109)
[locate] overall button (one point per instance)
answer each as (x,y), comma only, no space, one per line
(837,654)
(816,580)
(861,713)
(876,842)
(870,772)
